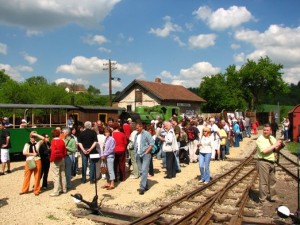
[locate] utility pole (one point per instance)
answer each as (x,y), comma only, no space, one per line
(110,78)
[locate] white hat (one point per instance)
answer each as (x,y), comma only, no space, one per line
(152,121)
(5,118)
(129,119)
(24,121)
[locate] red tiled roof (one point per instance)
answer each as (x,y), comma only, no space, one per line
(169,91)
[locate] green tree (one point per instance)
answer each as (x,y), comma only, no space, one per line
(36,80)
(92,90)
(218,94)
(262,78)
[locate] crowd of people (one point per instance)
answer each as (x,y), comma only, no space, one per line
(177,143)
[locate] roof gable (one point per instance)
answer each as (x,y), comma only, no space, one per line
(164,91)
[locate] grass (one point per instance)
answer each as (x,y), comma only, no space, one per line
(293,147)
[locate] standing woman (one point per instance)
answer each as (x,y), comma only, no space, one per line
(108,155)
(120,152)
(45,152)
(206,145)
(31,151)
(58,153)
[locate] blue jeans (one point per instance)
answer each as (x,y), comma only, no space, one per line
(110,168)
(92,169)
(236,140)
(286,134)
(227,147)
(143,163)
(68,169)
(176,153)
(85,160)
(204,161)
(248,131)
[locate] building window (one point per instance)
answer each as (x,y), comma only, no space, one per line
(129,108)
(138,96)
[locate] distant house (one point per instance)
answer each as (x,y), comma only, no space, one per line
(146,93)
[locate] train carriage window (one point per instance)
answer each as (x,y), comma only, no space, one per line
(75,117)
(102,117)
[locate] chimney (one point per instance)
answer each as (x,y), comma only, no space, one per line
(157,80)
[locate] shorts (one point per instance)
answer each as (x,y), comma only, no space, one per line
(4,155)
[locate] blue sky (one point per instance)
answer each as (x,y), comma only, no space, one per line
(179,41)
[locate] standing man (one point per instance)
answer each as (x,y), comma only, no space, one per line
(274,127)
(70,156)
(143,143)
(87,141)
(5,146)
(267,145)
(248,126)
(176,128)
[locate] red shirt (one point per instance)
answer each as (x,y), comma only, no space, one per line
(127,130)
(121,141)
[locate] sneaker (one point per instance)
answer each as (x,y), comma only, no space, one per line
(1,173)
(44,188)
(141,191)
(53,195)
(8,171)
(133,177)
(206,182)
(201,181)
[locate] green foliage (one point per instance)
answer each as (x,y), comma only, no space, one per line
(92,90)
(37,90)
(293,147)
(243,89)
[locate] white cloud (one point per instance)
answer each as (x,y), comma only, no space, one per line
(3,48)
(95,40)
(235,46)
(101,49)
(167,29)
(280,44)
(54,13)
(191,77)
(30,59)
(239,58)
(82,67)
(178,40)
(71,81)
(13,72)
(202,40)
(221,18)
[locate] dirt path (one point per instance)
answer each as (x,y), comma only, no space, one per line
(43,209)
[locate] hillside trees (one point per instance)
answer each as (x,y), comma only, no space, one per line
(37,90)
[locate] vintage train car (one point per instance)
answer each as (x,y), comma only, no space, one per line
(44,118)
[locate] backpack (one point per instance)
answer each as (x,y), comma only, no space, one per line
(191,133)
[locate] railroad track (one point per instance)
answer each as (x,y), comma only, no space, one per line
(288,163)
(224,200)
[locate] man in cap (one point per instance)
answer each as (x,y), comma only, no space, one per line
(6,123)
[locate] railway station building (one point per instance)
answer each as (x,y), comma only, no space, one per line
(147,93)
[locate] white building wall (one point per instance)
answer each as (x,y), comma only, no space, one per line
(130,100)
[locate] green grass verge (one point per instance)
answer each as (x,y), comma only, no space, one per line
(293,147)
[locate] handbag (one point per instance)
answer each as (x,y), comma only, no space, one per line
(31,164)
(103,167)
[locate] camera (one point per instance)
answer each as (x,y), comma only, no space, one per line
(282,145)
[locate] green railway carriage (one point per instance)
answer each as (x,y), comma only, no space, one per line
(44,118)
